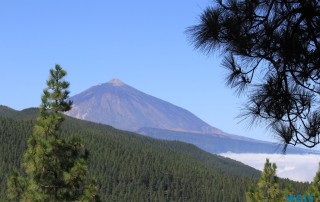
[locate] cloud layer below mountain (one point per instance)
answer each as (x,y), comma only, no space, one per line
(295,167)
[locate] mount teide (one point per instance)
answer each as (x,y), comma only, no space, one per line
(123,107)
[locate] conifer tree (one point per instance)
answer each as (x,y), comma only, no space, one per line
(55,169)
(272,57)
(314,187)
(268,187)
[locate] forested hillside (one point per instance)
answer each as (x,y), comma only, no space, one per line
(130,167)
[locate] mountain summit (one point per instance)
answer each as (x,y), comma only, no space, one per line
(124,107)
(116,82)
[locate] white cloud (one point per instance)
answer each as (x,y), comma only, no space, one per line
(295,167)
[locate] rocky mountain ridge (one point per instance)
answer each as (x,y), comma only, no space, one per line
(124,107)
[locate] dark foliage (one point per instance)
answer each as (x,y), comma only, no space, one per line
(130,167)
(272,54)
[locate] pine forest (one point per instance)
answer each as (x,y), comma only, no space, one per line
(131,167)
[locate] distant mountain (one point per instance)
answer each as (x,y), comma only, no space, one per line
(15,114)
(218,144)
(124,107)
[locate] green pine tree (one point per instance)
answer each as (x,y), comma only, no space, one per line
(55,169)
(268,186)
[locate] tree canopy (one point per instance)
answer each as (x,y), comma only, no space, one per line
(314,188)
(268,187)
(273,56)
(132,167)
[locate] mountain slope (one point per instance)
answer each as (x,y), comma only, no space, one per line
(25,114)
(90,127)
(128,166)
(218,144)
(121,106)
(117,104)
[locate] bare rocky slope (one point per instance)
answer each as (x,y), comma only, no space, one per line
(124,107)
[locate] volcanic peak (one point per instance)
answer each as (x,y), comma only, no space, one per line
(116,82)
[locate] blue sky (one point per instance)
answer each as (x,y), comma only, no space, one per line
(140,42)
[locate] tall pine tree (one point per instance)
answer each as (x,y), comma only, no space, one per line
(55,169)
